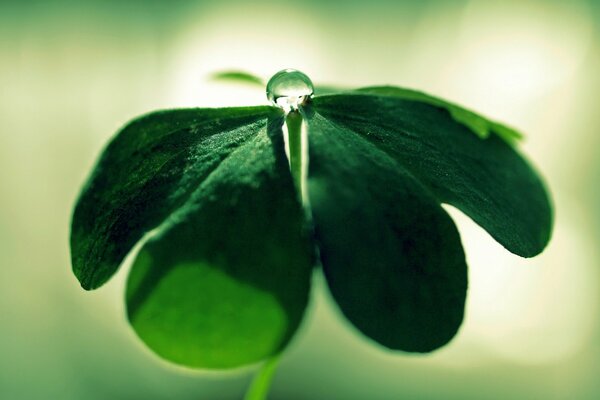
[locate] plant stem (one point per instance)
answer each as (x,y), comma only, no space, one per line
(259,388)
(293,122)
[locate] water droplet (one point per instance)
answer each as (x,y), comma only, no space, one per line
(289,89)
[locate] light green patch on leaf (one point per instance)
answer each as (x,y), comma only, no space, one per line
(481,126)
(198,315)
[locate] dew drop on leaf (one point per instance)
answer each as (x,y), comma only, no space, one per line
(289,89)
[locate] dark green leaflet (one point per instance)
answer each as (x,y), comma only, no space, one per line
(479,125)
(227,281)
(487,179)
(147,171)
(392,256)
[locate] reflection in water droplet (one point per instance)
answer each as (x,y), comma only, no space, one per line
(289,89)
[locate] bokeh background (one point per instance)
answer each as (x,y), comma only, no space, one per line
(71,73)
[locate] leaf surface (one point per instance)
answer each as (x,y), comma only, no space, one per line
(226,282)
(479,125)
(485,178)
(391,255)
(148,171)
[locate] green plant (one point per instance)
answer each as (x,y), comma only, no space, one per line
(236,226)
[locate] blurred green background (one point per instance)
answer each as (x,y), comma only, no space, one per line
(71,73)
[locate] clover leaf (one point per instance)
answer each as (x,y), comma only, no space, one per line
(232,221)
(485,178)
(391,255)
(217,286)
(479,125)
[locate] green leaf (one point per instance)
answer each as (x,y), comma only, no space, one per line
(146,173)
(485,178)
(238,76)
(226,281)
(481,126)
(321,90)
(391,255)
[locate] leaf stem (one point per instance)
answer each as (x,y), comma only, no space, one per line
(293,121)
(259,388)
